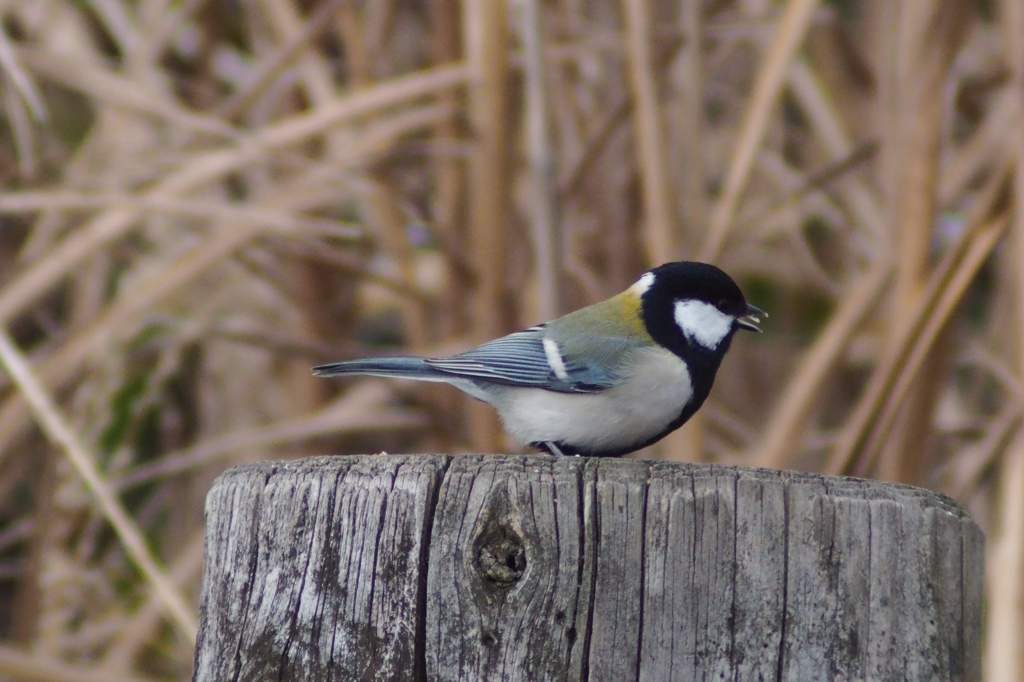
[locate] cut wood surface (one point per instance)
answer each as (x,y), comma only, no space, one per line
(430,567)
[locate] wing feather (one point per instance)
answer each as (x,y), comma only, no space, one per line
(520,359)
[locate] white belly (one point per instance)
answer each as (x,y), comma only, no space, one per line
(637,409)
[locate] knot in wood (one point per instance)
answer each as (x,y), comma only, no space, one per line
(501,557)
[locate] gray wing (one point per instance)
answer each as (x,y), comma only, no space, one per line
(520,359)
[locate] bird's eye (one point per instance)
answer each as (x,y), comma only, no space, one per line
(723,304)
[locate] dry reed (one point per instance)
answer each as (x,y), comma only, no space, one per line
(201,199)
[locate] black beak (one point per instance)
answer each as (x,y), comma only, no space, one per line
(751,319)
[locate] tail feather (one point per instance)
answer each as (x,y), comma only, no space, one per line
(407,367)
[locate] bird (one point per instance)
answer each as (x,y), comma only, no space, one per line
(604,380)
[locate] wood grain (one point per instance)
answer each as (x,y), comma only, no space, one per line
(541,568)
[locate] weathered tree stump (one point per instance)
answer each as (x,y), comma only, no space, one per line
(542,568)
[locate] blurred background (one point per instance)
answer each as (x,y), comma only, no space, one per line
(201,199)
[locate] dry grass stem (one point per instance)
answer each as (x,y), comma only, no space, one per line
(359,411)
(22,82)
(486,40)
(546,232)
(199,200)
(789,34)
(659,221)
(1004,659)
(951,296)
(56,427)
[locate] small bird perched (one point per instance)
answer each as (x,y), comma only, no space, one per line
(604,380)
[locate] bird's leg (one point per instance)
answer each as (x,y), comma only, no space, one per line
(554,449)
(546,446)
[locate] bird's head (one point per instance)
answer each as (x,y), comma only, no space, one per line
(695,304)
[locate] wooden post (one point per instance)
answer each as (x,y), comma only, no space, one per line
(548,568)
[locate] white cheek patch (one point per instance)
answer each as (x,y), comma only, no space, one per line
(643,284)
(702,322)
